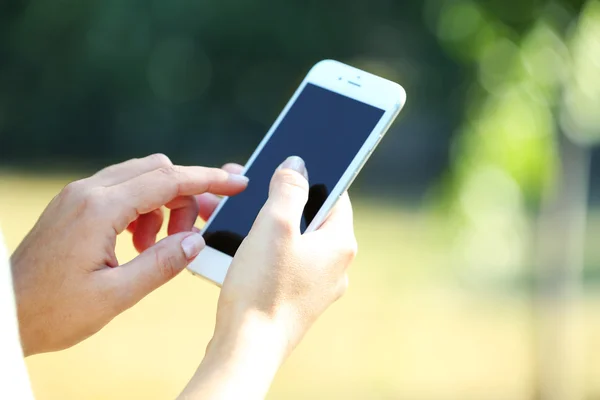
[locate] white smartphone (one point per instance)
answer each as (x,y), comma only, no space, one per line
(334,121)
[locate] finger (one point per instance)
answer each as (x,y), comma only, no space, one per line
(338,228)
(340,218)
(338,233)
(288,194)
(233,168)
(157,265)
(208,202)
(156,188)
(184,212)
(132,225)
(124,171)
(147,227)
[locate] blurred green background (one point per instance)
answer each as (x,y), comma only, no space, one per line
(476,217)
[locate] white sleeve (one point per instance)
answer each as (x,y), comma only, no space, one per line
(14,380)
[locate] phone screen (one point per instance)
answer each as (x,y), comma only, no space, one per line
(327,130)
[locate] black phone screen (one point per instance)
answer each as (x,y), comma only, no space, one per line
(327,130)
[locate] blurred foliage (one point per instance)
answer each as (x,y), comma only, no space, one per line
(98,81)
(580,116)
(505,156)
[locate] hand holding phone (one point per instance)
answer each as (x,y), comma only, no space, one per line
(278,284)
(333,122)
(277,270)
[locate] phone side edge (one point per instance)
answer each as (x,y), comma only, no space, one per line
(356,166)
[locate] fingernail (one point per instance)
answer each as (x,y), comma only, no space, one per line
(236,178)
(295,163)
(192,245)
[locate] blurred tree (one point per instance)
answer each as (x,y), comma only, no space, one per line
(97,81)
(510,157)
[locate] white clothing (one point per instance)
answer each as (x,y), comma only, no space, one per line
(14,380)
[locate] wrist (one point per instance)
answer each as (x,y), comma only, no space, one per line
(242,359)
(252,335)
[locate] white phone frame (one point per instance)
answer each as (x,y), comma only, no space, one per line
(348,81)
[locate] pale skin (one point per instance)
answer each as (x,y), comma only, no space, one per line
(69,283)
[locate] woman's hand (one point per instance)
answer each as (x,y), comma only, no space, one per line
(67,279)
(279,283)
(281,275)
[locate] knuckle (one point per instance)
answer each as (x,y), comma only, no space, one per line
(77,193)
(166,262)
(168,170)
(281,220)
(160,160)
(349,251)
(342,287)
(291,179)
(92,202)
(173,180)
(353,249)
(73,189)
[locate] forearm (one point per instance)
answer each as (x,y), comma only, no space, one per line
(239,364)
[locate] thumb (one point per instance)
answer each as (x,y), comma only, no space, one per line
(288,194)
(156,266)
